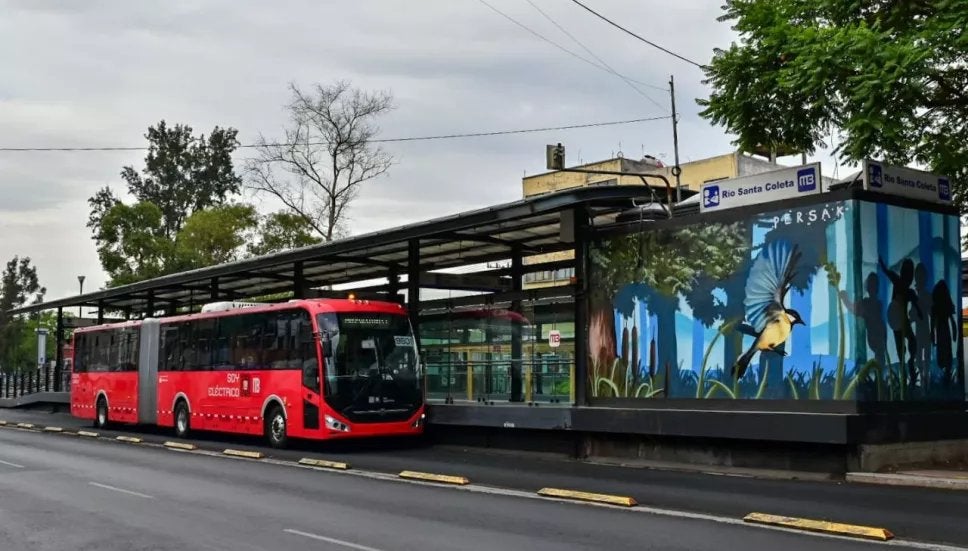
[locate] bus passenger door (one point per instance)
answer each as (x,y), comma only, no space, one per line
(308,352)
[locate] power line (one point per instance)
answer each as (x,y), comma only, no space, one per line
(560,47)
(649,42)
(600,60)
(385,140)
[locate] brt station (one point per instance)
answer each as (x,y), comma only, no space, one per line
(779,320)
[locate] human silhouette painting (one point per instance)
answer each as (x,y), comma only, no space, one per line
(944,328)
(869,309)
(898,318)
(922,324)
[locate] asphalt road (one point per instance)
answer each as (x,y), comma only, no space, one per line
(911,513)
(64,492)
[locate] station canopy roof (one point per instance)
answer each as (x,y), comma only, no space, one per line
(532,226)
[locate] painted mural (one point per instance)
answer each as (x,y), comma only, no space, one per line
(846,300)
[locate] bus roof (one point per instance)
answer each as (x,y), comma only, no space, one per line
(314,306)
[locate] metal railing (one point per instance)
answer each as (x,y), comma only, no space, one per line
(490,381)
(21,383)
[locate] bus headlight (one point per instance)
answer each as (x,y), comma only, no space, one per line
(420,421)
(335,424)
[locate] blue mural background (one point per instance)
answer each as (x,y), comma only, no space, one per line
(845,300)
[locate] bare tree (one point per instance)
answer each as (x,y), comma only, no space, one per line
(328,152)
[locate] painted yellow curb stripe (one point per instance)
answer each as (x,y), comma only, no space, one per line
(53,429)
(25,425)
(243,453)
(130,439)
(623,501)
(852,530)
(180,446)
(430,477)
(324,463)
(87,433)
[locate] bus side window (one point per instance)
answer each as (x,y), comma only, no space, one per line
(169,348)
(80,351)
(204,336)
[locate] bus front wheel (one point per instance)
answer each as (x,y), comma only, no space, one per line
(182,420)
(275,428)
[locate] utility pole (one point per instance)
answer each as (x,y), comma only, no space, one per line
(676,170)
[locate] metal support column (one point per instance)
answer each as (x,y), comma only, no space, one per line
(582,236)
(517,363)
(100,312)
(213,288)
(393,283)
(150,305)
(413,286)
(298,281)
(59,354)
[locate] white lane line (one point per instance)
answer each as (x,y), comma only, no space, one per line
(334,541)
(9,464)
(121,490)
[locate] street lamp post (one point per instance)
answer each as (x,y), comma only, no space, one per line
(80,280)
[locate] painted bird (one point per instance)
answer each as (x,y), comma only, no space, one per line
(770,322)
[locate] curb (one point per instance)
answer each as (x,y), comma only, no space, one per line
(908,480)
(244,453)
(25,425)
(821,526)
(180,446)
(53,429)
(3,423)
(431,477)
(324,463)
(88,434)
(623,501)
(130,439)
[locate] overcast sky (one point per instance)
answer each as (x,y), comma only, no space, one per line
(98,73)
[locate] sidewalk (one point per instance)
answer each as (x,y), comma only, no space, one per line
(945,479)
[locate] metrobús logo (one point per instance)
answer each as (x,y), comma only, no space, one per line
(944,189)
(710,196)
(806,180)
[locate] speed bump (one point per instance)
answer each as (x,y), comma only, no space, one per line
(430,477)
(244,453)
(324,463)
(130,439)
(624,501)
(180,446)
(811,525)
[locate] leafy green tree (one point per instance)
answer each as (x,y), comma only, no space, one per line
(281,231)
(887,78)
(131,243)
(19,286)
(215,236)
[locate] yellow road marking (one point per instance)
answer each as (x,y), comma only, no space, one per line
(53,429)
(88,433)
(244,453)
(131,439)
(624,501)
(180,446)
(853,530)
(324,463)
(430,477)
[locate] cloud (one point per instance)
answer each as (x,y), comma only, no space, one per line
(100,72)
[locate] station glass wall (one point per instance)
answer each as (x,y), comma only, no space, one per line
(469,354)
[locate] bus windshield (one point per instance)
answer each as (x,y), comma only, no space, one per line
(373,373)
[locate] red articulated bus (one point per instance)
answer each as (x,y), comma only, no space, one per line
(315,369)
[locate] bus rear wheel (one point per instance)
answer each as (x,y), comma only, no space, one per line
(275,428)
(101,413)
(182,420)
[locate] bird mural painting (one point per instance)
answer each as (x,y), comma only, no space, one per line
(769,321)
